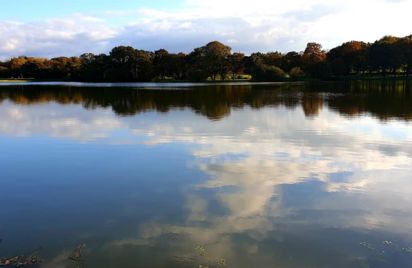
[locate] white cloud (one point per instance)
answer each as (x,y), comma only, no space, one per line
(67,36)
(68,122)
(262,26)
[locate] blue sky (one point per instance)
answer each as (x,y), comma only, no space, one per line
(28,10)
(51,28)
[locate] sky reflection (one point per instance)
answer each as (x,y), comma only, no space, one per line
(268,186)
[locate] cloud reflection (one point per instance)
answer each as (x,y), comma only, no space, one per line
(256,160)
(361,165)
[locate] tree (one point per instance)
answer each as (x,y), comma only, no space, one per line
(94,67)
(314,60)
(405,45)
(179,63)
(385,55)
(236,64)
(296,73)
(162,62)
(34,68)
(210,60)
(123,64)
(291,60)
(144,66)
(314,53)
(215,60)
(268,73)
(348,58)
(63,68)
(129,64)
(4,70)
(273,58)
(15,65)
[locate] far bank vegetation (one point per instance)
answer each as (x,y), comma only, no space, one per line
(387,57)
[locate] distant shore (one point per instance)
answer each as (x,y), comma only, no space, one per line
(236,81)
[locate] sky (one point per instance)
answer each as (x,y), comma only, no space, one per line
(49,28)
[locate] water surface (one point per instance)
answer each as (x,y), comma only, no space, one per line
(232,175)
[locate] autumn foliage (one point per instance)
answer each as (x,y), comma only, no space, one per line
(215,61)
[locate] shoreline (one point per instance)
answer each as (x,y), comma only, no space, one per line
(183,83)
(350,77)
(151,85)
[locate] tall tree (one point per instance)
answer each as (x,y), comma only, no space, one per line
(236,64)
(94,67)
(314,60)
(291,60)
(348,58)
(405,45)
(385,55)
(211,60)
(129,64)
(162,63)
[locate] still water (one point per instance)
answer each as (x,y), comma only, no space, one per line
(183,175)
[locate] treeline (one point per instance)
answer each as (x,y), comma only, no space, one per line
(215,61)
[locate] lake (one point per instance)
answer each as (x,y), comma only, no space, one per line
(204,175)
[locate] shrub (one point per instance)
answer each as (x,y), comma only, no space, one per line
(296,72)
(268,73)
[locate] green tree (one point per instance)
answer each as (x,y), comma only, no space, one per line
(291,60)
(129,64)
(162,63)
(4,71)
(385,55)
(348,58)
(236,64)
(210,61)
(405,45)
(268,73)
(94,67)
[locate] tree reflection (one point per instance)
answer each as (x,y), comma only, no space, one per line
(384,100)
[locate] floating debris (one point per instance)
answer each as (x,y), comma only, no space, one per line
(184,259)
(77,257)
(20,261)
(221,262)
(409,250)
(367,245)
(201,259)
(201,250)
(29,260)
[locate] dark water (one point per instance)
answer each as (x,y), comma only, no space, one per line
(208,176)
